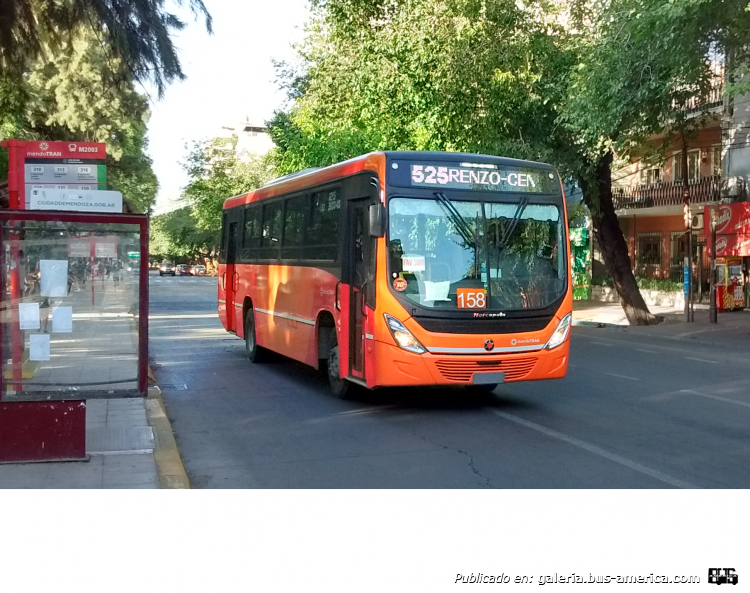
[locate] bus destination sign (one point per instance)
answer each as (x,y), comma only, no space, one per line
(482,177)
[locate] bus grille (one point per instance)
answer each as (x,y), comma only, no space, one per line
(462,370)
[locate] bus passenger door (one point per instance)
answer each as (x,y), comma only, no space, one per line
(355,276)
(230,277)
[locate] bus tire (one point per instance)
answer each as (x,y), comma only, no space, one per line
(340,388)
(254,352)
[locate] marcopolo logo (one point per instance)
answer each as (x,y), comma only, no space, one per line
(722,576)
(513,342)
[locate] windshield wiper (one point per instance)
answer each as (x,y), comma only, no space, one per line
(513,224)
(458,221)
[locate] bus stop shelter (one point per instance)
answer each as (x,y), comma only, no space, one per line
(73,325)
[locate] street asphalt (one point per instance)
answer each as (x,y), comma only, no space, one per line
(635,411)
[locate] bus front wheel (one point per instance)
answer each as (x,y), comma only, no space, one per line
(340,388)
(254,352)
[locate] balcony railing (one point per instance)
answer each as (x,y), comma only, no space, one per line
(667,193)
(703,104)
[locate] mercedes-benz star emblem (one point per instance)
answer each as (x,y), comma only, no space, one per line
(489,345)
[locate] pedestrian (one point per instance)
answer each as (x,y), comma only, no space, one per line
(44,313)
(116,274)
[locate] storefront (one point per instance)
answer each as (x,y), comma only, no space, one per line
(732,255)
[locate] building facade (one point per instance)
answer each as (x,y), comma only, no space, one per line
(649,196)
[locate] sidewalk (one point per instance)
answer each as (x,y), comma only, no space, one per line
(129,443)
(731,331)
(129,440)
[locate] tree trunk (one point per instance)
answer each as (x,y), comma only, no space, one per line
(613,246)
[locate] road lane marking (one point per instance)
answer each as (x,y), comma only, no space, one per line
(701,360)
(623,376)
(644,350)
(687,334)
(368,410)
(716,397)
(634,465)
(603,344)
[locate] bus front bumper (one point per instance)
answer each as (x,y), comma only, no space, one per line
(395,366)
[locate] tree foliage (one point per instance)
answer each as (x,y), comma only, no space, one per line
(175,235)
(463,75)
(138,33)
(216,171)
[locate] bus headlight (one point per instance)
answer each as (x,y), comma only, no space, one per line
(560,333)
(402,336)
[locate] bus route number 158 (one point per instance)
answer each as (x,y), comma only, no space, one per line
(471,298)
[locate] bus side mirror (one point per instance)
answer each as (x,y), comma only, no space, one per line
(377,220)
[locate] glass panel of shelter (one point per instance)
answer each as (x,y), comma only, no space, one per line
(70,296)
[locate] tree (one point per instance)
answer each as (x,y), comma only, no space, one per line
(132,175)
(216,172)
(444,75)
(138,33)
(175,234)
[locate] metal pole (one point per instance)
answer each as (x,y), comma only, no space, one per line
(686,285)
(712,313)
(688,270)
(143,308)
(691,315)
(92,254)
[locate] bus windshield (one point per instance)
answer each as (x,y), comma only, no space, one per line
(509,256)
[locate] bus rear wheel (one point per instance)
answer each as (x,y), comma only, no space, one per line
(254,352)
(340,388)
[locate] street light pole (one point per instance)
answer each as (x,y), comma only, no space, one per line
(712,313)
(687,261)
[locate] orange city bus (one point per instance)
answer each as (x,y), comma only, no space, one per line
(404,268)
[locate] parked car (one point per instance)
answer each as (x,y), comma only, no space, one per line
(198,270)
(183,270)
(167,267)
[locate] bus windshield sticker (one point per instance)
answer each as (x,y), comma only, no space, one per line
(412,263)
(476,176)
(399,284)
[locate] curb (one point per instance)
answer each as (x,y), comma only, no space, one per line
(169,465)
(599,324)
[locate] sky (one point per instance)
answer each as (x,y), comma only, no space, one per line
(229,76)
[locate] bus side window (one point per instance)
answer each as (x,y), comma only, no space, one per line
(294,215)
(251,236)
(322,233)
(271,238)
(224,238)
